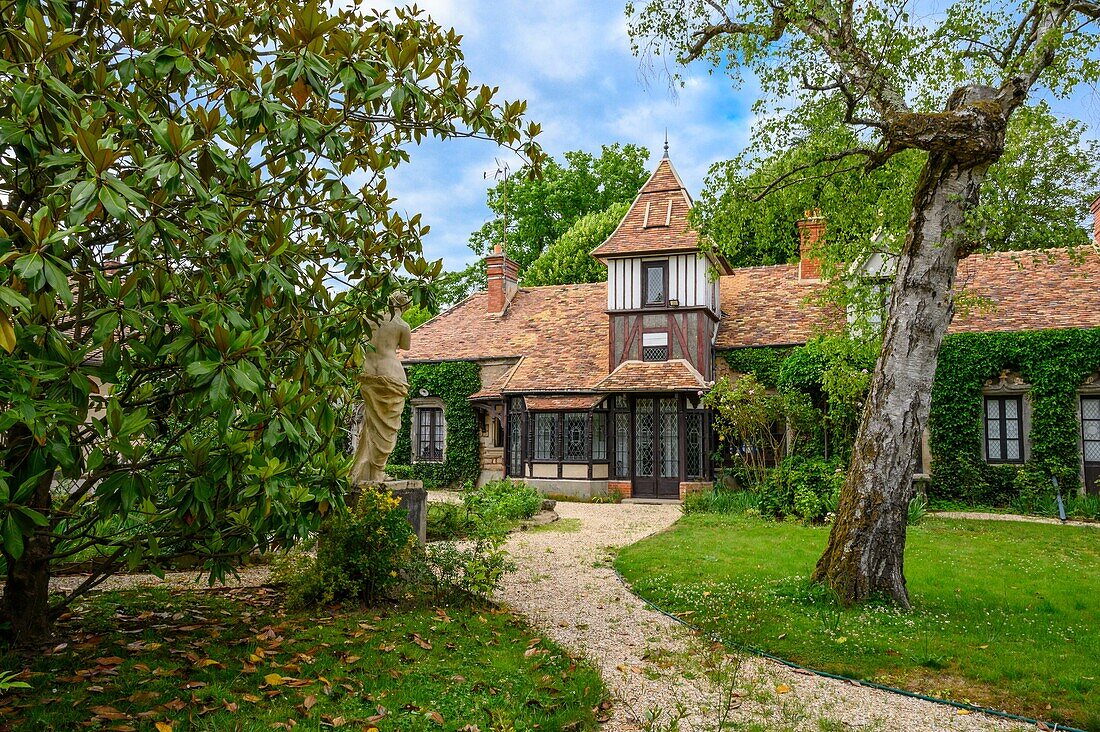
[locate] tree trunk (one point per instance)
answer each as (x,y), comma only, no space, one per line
(25,606)
(865,553)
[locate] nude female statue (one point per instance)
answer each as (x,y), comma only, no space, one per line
(384,387)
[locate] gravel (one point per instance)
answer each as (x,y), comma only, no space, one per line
(566,588)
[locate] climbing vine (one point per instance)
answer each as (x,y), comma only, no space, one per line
(1053,363)
(453,383)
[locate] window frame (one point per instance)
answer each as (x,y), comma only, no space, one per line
(437,424)
(661,264)
(1002,422)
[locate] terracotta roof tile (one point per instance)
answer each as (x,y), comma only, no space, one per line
(771,306)
(1030,291)
(560,331)
(666,229)
(542,403)
(673,375)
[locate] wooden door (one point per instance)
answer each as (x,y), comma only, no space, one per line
(1090,442)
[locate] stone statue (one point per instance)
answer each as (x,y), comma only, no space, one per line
(384,387)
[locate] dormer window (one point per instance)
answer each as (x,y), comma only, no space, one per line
(655,284)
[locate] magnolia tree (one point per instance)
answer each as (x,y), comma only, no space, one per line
(945,85)
(181,183)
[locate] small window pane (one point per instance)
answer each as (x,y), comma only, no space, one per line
(655,353)
(1011,408)
(995,430)
(546,437)
(1090,408)
(599,436)
(575,424)
(653,284)
(992,408)
(1013,450)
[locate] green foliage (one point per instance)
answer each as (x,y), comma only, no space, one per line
(869,210)
(1053,363)
(177,190)
(755,424)
(359,555)
(542,208)
(9,680)
(503,500)
(569,260)
(447,521)
(799,487)
(453,382)
(470,570)
(918,509)
(763,363)
(415,315)
(720,500)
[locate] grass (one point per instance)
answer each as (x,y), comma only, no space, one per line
(232,659)
(1005,614)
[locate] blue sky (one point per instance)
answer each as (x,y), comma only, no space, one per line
(571,61)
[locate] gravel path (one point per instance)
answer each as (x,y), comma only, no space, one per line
(566,588)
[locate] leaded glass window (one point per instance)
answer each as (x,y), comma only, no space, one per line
(622,445)
(1090,428)
(599,436)
(575,428)
(670,439)
(654,283)
(1004,438)
(693,444)
(643,433)
(515,443)
(655,353)
(546,436)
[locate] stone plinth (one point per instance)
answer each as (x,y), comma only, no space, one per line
(414,502)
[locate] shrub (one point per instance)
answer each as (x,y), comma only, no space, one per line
(918,509)
(502,500)
(722,501)
(463,571)
(806,488)
(360,553)
(448,521)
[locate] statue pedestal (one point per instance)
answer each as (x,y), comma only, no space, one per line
(414,501)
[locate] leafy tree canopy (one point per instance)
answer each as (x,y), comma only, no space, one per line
(541,208)
(1035,197)
(569,260)
(176,185)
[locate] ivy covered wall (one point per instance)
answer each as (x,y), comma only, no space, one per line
(453,383)
(1053,364)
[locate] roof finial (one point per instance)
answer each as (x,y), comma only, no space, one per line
(666,142)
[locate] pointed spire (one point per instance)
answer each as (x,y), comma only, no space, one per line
(666,143)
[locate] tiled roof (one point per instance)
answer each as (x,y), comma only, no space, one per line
(540,403)
(771,306)
(496,389)
(665,229)
(560,331)
(1059,288)
(673,375)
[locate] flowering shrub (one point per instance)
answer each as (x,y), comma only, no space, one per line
(360,554)
(805,488)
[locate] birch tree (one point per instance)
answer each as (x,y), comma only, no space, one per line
(946,85)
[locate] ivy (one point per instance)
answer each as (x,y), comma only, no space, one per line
(1053,363)
(762,362)
(452,382)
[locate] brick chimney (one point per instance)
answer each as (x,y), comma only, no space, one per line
(1095,208)
(811,230)
(503,276)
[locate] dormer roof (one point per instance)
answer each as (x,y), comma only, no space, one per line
(657,221)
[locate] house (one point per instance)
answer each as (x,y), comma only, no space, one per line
(596,388)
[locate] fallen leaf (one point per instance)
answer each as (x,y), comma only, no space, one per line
(164,726)
(782,689)
(963,712)
(421,642)
(436,717)
(309,701)
(274,679)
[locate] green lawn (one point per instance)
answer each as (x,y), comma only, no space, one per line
(1005,614)
(234,660)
